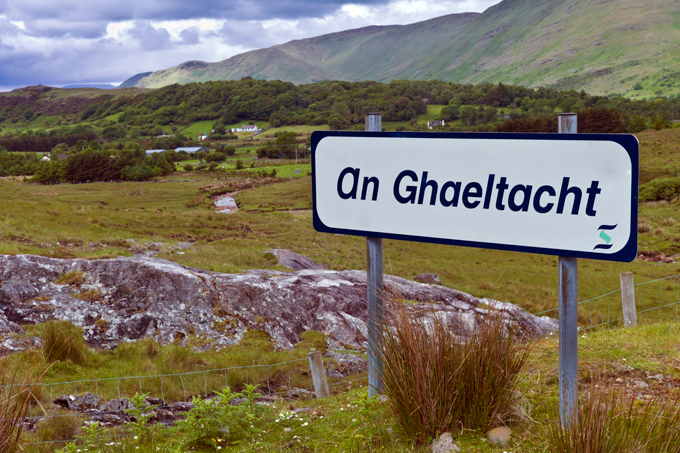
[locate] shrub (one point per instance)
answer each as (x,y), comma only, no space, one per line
(660,189)
(608,423)
(61,340)
(240,165)
(137,173)
(188,167)
(212,420)
(216,157)
(90,295)
(73,278)
(59,429)
(435,382)
(644,226)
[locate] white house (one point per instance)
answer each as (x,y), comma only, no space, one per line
(202,137)
(154,151)
(46,158)
(433,124)
(245,128)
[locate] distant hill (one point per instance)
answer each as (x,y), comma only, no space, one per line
(132,81)
(602,46)
(100,86)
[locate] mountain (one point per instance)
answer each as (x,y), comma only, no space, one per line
(129,83)
(602,46)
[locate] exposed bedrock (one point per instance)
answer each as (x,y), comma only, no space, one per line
(125,299)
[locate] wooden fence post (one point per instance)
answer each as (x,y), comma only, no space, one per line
(628,300)
(318,374)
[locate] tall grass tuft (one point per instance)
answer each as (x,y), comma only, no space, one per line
(61,340)
(607,422)
(15,400)
(437,380)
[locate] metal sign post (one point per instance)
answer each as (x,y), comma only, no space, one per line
(568,313)
(374,283)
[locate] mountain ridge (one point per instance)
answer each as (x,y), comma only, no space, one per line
(602,46)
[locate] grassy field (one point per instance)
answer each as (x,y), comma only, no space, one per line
(205,127)
(95,220)
(346,421)
(304,129)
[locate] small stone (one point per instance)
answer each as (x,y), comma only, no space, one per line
(500,436)
(641,384)
(444,444)
(287,430)
(658,377)
(618,379)
(430,279)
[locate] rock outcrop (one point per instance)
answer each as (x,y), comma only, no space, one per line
(126,299)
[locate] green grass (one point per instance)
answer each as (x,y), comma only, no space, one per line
(300,129)
(283,171)
(345,421)
(198,128)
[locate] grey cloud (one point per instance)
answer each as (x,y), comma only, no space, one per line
(148,36)
(107,10)
(190,36)
(248,34)
(53,27)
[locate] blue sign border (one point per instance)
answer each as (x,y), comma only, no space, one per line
(628,142)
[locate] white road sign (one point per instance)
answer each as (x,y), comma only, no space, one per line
(559,194)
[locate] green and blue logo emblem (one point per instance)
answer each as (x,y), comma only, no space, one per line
(605,237)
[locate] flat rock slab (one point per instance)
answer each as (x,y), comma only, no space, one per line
(149,297)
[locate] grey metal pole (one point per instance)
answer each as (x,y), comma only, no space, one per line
(374,282)
(568,269)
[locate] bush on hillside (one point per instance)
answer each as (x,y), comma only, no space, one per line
(138,173)
(61,341)
(660,189)
(216,157)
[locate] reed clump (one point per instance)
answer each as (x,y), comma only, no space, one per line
(439,377)
(608,422)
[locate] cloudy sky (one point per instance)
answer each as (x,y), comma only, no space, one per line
(60,42)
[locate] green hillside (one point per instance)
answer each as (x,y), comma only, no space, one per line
(604,47)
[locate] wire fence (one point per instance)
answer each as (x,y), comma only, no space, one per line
(655,300)
(106,399)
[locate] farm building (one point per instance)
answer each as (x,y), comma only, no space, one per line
(154,151)
(433,124)
(245,128)
(202,137)
(193,149)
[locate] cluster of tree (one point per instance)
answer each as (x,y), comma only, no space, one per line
(18,164)
(285,146)
(129,163)
(338,104)
(44,141)
(598,120)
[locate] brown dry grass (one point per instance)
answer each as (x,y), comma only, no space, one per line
(436,382)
